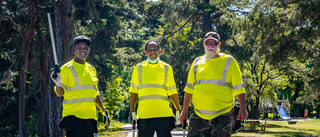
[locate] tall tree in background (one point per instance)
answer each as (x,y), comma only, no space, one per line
(28,36)
(184,25)
(266,37)
(64,34)
(276,31)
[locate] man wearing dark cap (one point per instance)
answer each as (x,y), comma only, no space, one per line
(214,79)
(78,84)
(152,83)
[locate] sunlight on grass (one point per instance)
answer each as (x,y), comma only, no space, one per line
(114,129)
(282,128)
(273,129)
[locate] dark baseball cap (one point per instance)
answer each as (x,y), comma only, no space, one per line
(212,35)
(78,39)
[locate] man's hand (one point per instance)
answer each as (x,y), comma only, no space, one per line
(177,118)
(183,116)
(106,120)
(132,117)
(55,76)
(243,114)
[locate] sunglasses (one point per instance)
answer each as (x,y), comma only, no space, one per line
(211,43)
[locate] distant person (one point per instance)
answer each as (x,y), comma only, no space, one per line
(305,114)
(213,82)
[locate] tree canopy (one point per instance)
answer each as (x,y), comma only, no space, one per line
(276,44)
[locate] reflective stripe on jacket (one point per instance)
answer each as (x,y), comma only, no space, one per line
(153,83)
(214,84)
(80,85)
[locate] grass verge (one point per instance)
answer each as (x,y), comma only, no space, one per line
(114,130)
(283,129)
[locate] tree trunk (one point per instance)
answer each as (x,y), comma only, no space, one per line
(256,109)
(318,111)
(28,36)
(22,94)
(295,96)
(43,122)
(64,32)
(207,21)
(252,109)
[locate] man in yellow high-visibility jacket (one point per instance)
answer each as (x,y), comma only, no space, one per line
(214,79)
(78,84)
(151,84)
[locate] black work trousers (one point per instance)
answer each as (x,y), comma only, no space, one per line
(162,126)
(76,127)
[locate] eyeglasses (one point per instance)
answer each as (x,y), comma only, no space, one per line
(211,43)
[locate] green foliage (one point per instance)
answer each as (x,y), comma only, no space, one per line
(113,95)
(275,43)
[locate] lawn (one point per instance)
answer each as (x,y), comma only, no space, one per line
(311,127)
(114,130)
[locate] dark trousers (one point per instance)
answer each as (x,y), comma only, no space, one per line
(162,126)
(218,127)
(76,127)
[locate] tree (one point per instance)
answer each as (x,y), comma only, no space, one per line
(275,30)
(28,36)
(64,40)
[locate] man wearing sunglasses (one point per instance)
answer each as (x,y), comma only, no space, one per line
(214,79)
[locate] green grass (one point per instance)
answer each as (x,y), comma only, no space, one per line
(283,129)
(114,129)
(311,127)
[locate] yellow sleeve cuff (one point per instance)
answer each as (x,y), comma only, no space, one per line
(133,90)
(188,90)
(171,92)
(55,90)
(239,91)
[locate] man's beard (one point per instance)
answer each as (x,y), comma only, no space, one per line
(210,54)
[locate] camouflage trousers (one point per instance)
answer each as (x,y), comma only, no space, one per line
(218,127)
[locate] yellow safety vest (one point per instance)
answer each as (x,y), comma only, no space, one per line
(153,83)
(214,84)
(79,82)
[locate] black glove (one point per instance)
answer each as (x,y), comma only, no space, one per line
(54,71)
(106,120)
(55,76)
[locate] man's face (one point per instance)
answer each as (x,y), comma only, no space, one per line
(152,51)
(211,46)
(81,50)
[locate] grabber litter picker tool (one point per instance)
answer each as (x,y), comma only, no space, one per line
(184,127)
(134,128)
(48,9)
(134,122)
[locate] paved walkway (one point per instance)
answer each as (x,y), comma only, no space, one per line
(128,129)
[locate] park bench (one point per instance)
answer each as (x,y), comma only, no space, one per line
(263,125)
(242,127)
(292,122)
